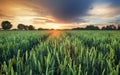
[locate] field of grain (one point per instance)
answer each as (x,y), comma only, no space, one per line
(60,52)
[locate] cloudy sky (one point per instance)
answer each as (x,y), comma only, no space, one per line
(60,13)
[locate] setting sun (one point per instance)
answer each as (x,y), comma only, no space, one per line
(56,27)
(53,26)
(60,37)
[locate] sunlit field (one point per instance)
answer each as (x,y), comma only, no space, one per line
(56,52)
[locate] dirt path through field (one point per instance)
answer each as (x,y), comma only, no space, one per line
(55,34)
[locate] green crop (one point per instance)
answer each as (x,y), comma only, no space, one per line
(60,52)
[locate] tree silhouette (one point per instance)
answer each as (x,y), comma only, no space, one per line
(92,27)
(109,27)
(30,27)
(103,28)
(78,28)
(21,26)
(118,27)
(42,29)
(6,25)
(26,27)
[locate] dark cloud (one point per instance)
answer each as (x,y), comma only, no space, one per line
(69,10)
(114,3)
(63,10)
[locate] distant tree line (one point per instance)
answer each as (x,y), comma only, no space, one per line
(92,27)
(25,27)
(6,25)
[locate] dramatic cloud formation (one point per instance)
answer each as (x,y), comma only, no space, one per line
(69,10)
(64,12)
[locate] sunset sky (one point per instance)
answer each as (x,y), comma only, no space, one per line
(60,13)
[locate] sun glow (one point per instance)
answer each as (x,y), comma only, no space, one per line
(56,27)
(53,26)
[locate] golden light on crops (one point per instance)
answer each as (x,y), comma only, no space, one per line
(55,34)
